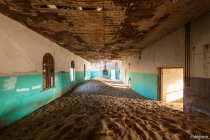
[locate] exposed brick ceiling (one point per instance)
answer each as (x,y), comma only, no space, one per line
(104,29)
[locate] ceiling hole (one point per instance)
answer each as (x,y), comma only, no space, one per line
(52,6)
(43,6)
(69,7)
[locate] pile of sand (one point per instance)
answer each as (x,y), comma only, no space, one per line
(96,111)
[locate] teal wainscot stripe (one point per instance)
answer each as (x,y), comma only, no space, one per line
(116,74)
(95,74)
(108,74)
(144,84)
(79,77)
(21,95)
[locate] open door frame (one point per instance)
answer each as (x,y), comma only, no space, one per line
(159,84)
(159,81)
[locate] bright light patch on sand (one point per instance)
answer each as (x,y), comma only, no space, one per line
(175,92)
(115,85)
(112,83)
(175,87)
(174,96)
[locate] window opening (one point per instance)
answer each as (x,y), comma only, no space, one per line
(48,71)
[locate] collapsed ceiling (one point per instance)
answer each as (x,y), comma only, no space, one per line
(104,29)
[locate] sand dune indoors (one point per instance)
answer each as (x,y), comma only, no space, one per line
(98,111)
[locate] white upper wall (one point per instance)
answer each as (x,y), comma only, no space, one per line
(96,67)
(100,66)
(22,50)
(170,51)
(111,65)
(166,52)
(200,37)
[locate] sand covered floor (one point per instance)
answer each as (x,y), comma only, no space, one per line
(105,110)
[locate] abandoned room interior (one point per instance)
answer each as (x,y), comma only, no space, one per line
(104,69)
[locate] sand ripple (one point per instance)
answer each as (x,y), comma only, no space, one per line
(96,111)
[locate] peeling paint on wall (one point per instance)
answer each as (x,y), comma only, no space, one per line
(206,52)
(36,104)
(50,99)
(22,89)
(11,109)
(14,106)
(56,78)
(21,74)
(196,97)
(10,83)
(36,87)
(2,121)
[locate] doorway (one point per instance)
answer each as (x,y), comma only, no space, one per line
(119,75)
(125,76)
(171,85)
(112,74)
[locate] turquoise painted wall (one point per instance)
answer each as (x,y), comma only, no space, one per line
(117,74)
(99,74)
(96,74)
(109,74)
(144,84)
(79,77)
(21,95)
